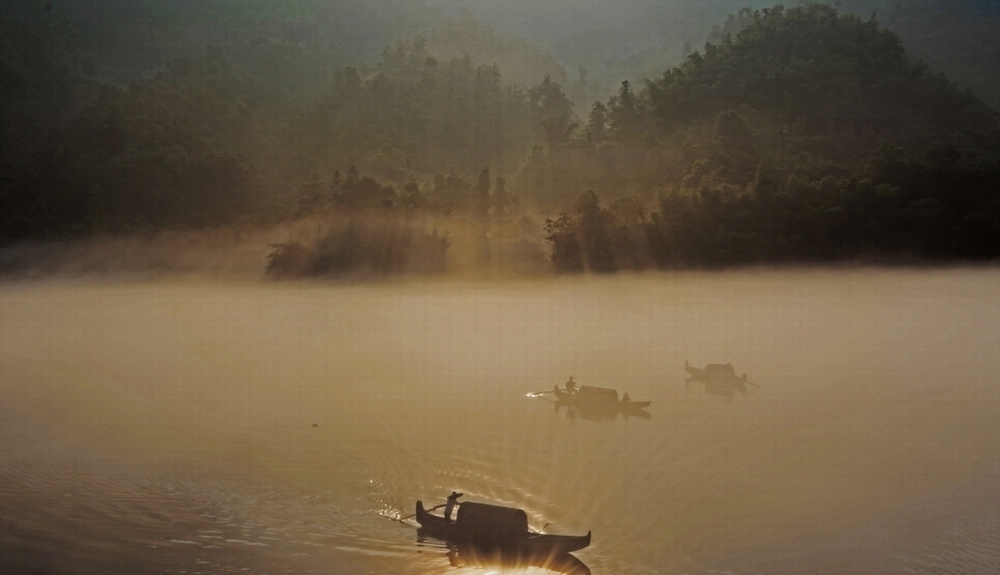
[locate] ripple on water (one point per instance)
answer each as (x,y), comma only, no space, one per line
(67,518)
(968,548)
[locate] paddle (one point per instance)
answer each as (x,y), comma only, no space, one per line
(413,514)
(542,529)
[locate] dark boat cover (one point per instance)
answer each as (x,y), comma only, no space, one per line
(493,519)
(602,392)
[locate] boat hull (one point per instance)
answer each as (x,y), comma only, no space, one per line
(633,405)
(527,543)
(600,404)
(563,397)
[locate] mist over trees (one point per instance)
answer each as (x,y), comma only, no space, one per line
(55,56)
(795,134)
(636,39)
(807,136)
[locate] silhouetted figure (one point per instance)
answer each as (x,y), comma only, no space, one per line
(450,506)
(626,398)
(571,386)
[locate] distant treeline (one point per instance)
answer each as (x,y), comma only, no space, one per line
(800,134)
(932,209)
(228,137)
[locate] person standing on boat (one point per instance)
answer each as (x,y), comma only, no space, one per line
(571,386)
(452,501)
(626,398)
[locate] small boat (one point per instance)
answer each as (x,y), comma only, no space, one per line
(563,397)
(711,371)
(599,399)
(496,527)
(719,379)
(634,405)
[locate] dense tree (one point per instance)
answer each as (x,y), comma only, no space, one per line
(552,110)
(802,135)
(821,73)
(796,134)
(625,114)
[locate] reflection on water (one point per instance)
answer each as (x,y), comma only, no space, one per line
(596,413)
(467,558)
(492,559)
(172,427)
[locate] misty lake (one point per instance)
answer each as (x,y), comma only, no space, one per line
(182,426)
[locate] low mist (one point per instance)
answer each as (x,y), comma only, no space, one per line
(358,247)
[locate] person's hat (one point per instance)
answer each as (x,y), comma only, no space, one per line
(455,494)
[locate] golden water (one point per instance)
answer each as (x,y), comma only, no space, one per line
(192,427)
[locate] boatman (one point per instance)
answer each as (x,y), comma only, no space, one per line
(452,501)
(571,386)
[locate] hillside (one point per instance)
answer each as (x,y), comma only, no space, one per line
(958,37)
(800,134)
(809,135)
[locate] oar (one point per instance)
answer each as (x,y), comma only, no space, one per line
(413,514)
(539,532)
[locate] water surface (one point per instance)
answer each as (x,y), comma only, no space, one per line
(192,427)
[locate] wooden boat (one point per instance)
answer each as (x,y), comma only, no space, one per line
(563,397)
(634,405)
(711,371)
(719,379)
(598,400)
(496,527)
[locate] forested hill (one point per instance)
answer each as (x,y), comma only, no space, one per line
(808,135)
(803,135)
(246,129)
(820,71)
(55,55)
(803,90)
(959,37)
